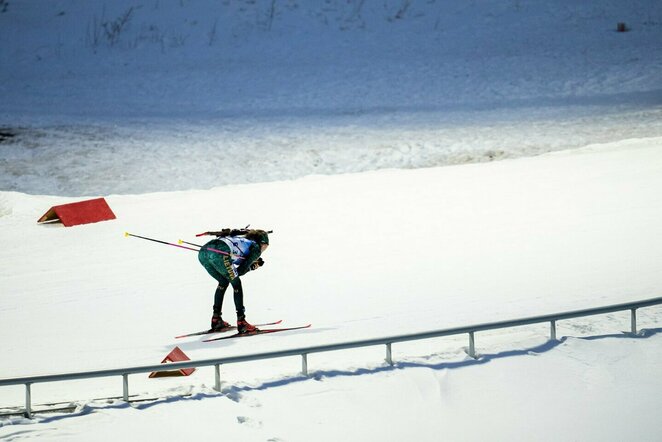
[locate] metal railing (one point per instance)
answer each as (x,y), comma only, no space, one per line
(303,352)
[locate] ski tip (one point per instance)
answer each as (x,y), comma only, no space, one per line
(126,234)
(179,241)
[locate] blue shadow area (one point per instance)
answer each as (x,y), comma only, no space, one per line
(481,359)
(234,392)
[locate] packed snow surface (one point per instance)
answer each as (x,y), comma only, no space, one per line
(328,122)
(359,256)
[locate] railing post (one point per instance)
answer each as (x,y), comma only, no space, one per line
(28,401)
(125,385)
(304,364)
(389,355)
(472,345)
(633,317)
(552,331)
(217,377)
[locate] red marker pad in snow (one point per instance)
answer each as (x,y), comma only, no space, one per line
(175,355)
(82,212)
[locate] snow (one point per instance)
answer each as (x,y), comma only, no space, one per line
(578,390)
(366,142)
(329,87)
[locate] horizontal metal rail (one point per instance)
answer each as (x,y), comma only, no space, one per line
(303,352)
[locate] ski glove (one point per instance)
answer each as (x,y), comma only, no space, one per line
(257,264)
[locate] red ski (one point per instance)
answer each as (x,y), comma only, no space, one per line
(232,327)
(257,332)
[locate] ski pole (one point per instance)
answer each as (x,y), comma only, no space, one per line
(127,234)
(221,252)
(181,241)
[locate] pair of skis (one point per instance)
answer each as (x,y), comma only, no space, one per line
(239,335)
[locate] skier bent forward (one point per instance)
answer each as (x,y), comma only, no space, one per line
(240,252)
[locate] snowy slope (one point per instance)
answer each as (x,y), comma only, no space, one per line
(590,390)
(490,241)
(188,88)
(326,120)
(325,57)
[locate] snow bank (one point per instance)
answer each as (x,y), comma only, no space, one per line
(194,95)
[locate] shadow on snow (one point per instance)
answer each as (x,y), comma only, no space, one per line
(234,392)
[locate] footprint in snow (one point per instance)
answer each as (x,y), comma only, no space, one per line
(252,423)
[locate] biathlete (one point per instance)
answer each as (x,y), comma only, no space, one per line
(228,257)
